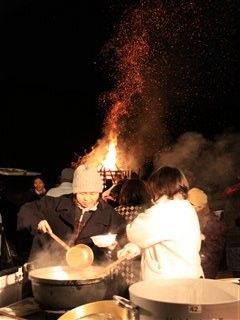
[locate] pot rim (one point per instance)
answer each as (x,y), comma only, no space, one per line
(185,291)
(63,275)
(64,282)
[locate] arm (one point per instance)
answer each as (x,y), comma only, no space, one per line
(160,223)
(28,217)
(34,215)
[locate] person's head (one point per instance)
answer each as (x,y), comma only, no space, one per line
(66,175)
(197,198)
(168,181)
(39,184)
(134,192)
(87,185)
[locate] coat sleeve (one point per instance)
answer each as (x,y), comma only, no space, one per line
(30,214)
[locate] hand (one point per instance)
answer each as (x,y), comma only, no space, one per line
(44,227)
(112,246)
(131,250)
(203,237)
(108,198)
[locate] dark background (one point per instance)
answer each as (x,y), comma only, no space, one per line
(51,77)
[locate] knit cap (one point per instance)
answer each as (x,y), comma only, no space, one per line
(197,197)
(67,175)
(87,179)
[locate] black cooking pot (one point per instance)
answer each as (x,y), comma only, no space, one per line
(64,287)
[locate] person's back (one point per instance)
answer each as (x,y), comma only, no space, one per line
(171,239)
(65,186)
(168,233)
(214,233)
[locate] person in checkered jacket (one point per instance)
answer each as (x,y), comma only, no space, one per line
(133,199)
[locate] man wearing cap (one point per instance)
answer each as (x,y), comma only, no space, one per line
(74,219)
(65,186)
(213,231)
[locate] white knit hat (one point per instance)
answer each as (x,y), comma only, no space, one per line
(87,179)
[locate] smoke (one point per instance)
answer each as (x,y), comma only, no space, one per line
(167,63)
(211,162)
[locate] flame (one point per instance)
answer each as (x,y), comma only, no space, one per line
(109,163)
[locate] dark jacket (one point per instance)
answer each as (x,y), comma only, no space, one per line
(63,215)
(212,248)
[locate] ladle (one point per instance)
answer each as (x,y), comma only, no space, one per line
(80,255)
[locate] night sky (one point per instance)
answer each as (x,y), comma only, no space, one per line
(53,72)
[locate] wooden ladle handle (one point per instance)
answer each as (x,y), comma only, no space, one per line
(62,243)
(111,266)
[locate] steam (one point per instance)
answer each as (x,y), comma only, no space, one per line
(52,255)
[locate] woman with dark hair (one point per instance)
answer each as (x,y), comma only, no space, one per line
(167,234)
(134,198)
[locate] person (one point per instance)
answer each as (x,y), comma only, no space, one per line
(73,219)
(25,238)
(65,186)
(113,197)
(168,233)
(36,191)
(134,198)
(111,194)
(214,233)
(231,196)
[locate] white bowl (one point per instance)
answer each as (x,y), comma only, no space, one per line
(104,240)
